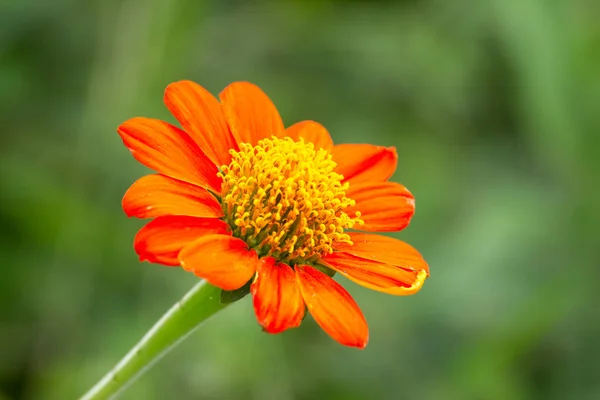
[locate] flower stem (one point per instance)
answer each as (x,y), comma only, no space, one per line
(197,305)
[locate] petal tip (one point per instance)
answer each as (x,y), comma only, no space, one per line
(392,151)
(357,343)
(422,275)
(362,344)
(174,86)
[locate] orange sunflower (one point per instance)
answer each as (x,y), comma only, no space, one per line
(238,199)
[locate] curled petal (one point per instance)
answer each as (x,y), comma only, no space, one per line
(250,114)
(311,132)
(161,240)
(169,151)
(384,206)
(155,195)
(201,116)
(332,307)
(364,162)
(277,301)
(224,261)
(380,263)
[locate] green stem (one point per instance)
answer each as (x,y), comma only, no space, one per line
(197,305)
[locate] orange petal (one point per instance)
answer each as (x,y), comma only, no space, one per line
(384,206)
(277,301)
(170,151)
(161,240)
(332,307)
(380,263)
(201,116)
(155,195)
(312,132)
(250,113)
(224,261)
(364,162)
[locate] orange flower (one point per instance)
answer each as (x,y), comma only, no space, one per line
(239,198)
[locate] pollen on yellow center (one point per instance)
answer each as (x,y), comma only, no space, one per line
(284,199)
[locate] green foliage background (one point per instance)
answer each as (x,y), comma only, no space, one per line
(493,106)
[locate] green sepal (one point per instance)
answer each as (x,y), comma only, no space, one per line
(230,296)
(326,270)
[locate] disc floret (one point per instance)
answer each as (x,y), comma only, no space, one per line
(284,199)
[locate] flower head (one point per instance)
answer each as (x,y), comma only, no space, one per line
(239,199)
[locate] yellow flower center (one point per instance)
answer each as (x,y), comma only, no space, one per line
(284,199)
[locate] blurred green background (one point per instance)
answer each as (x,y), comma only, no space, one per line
(492,105)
